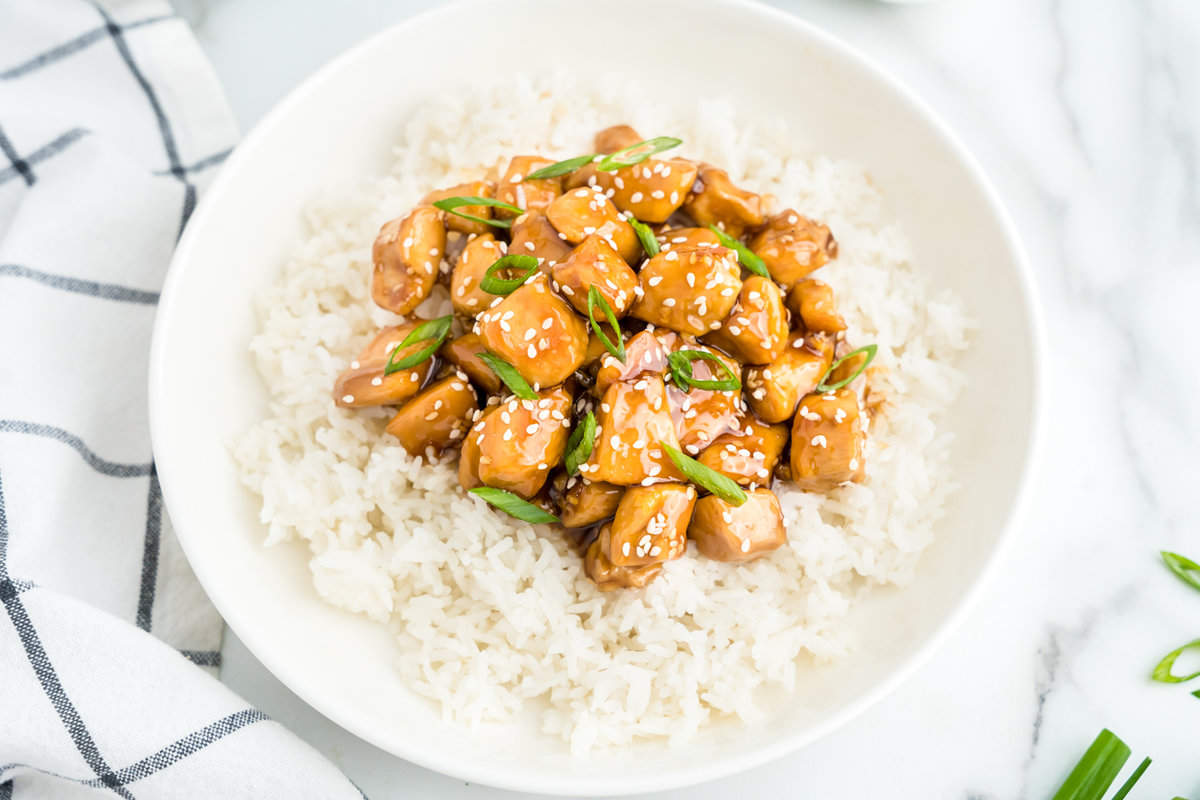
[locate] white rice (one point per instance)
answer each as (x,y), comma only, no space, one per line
(494,617)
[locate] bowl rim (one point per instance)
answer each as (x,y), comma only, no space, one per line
(293,677)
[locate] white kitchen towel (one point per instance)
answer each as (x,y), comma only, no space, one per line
(111,122)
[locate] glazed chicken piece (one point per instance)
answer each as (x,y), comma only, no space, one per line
(405,257)
(652,191)
(453,221)
(793,246)
(513,445)
(775,390)
(537,332)
(690,291)
(534,195)
(587,502)
(756,330)
(716,201)
(463,352)
(702,415)
(828,439)
(436,418)
(595,263)
(533,235)
(582,212)
(725,532)
(479,254)
(618,137)
(687,239)
(651,524)
(645,351)
(812,301)
(748,455)
(609,577)
(632,423)
(365,384)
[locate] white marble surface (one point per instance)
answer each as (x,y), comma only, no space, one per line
(1086,114)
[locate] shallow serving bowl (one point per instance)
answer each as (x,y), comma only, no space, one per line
(338,128)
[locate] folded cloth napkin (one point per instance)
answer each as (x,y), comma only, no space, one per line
(111,123)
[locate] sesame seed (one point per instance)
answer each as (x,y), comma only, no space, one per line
(347,398)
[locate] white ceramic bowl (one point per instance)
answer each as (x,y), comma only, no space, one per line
(338,126)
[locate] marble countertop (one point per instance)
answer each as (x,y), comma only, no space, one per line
(1086,115)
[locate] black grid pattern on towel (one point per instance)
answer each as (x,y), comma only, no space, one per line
(17,164)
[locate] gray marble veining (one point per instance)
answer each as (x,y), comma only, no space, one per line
(1085,113)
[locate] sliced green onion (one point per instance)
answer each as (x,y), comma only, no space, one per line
(494,285)
(870,350)
(514,506)
(1133,778)
(645,236)
(680,364)
(560,168)
(580,444)
(746,257)
(705,477)
(597,299)
(1187,570)
(436,329)
(1097,770)
(637,153)
(451,203)
(1196,694)
(508,373)
(1162,672)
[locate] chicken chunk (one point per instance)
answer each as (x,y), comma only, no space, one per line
(365,384)
(748,455)
(595,263)
(514,444)
(609,577)
(618,137)
(652,191)
(645,351)
(587,502)
(453,221)
(689,291)
(725,532)
(702,415)
(687,239)
(828,439)
(632,425)
(651,524)
(792,246)
(435,419)
(534,195)
(479,254)
(537,332)
(406,256)
(812,302)
(463,352)
(756,330)
(716,201)
(582,212)
(533,235)
(775,390)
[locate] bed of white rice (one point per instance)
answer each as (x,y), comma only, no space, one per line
(493,617)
